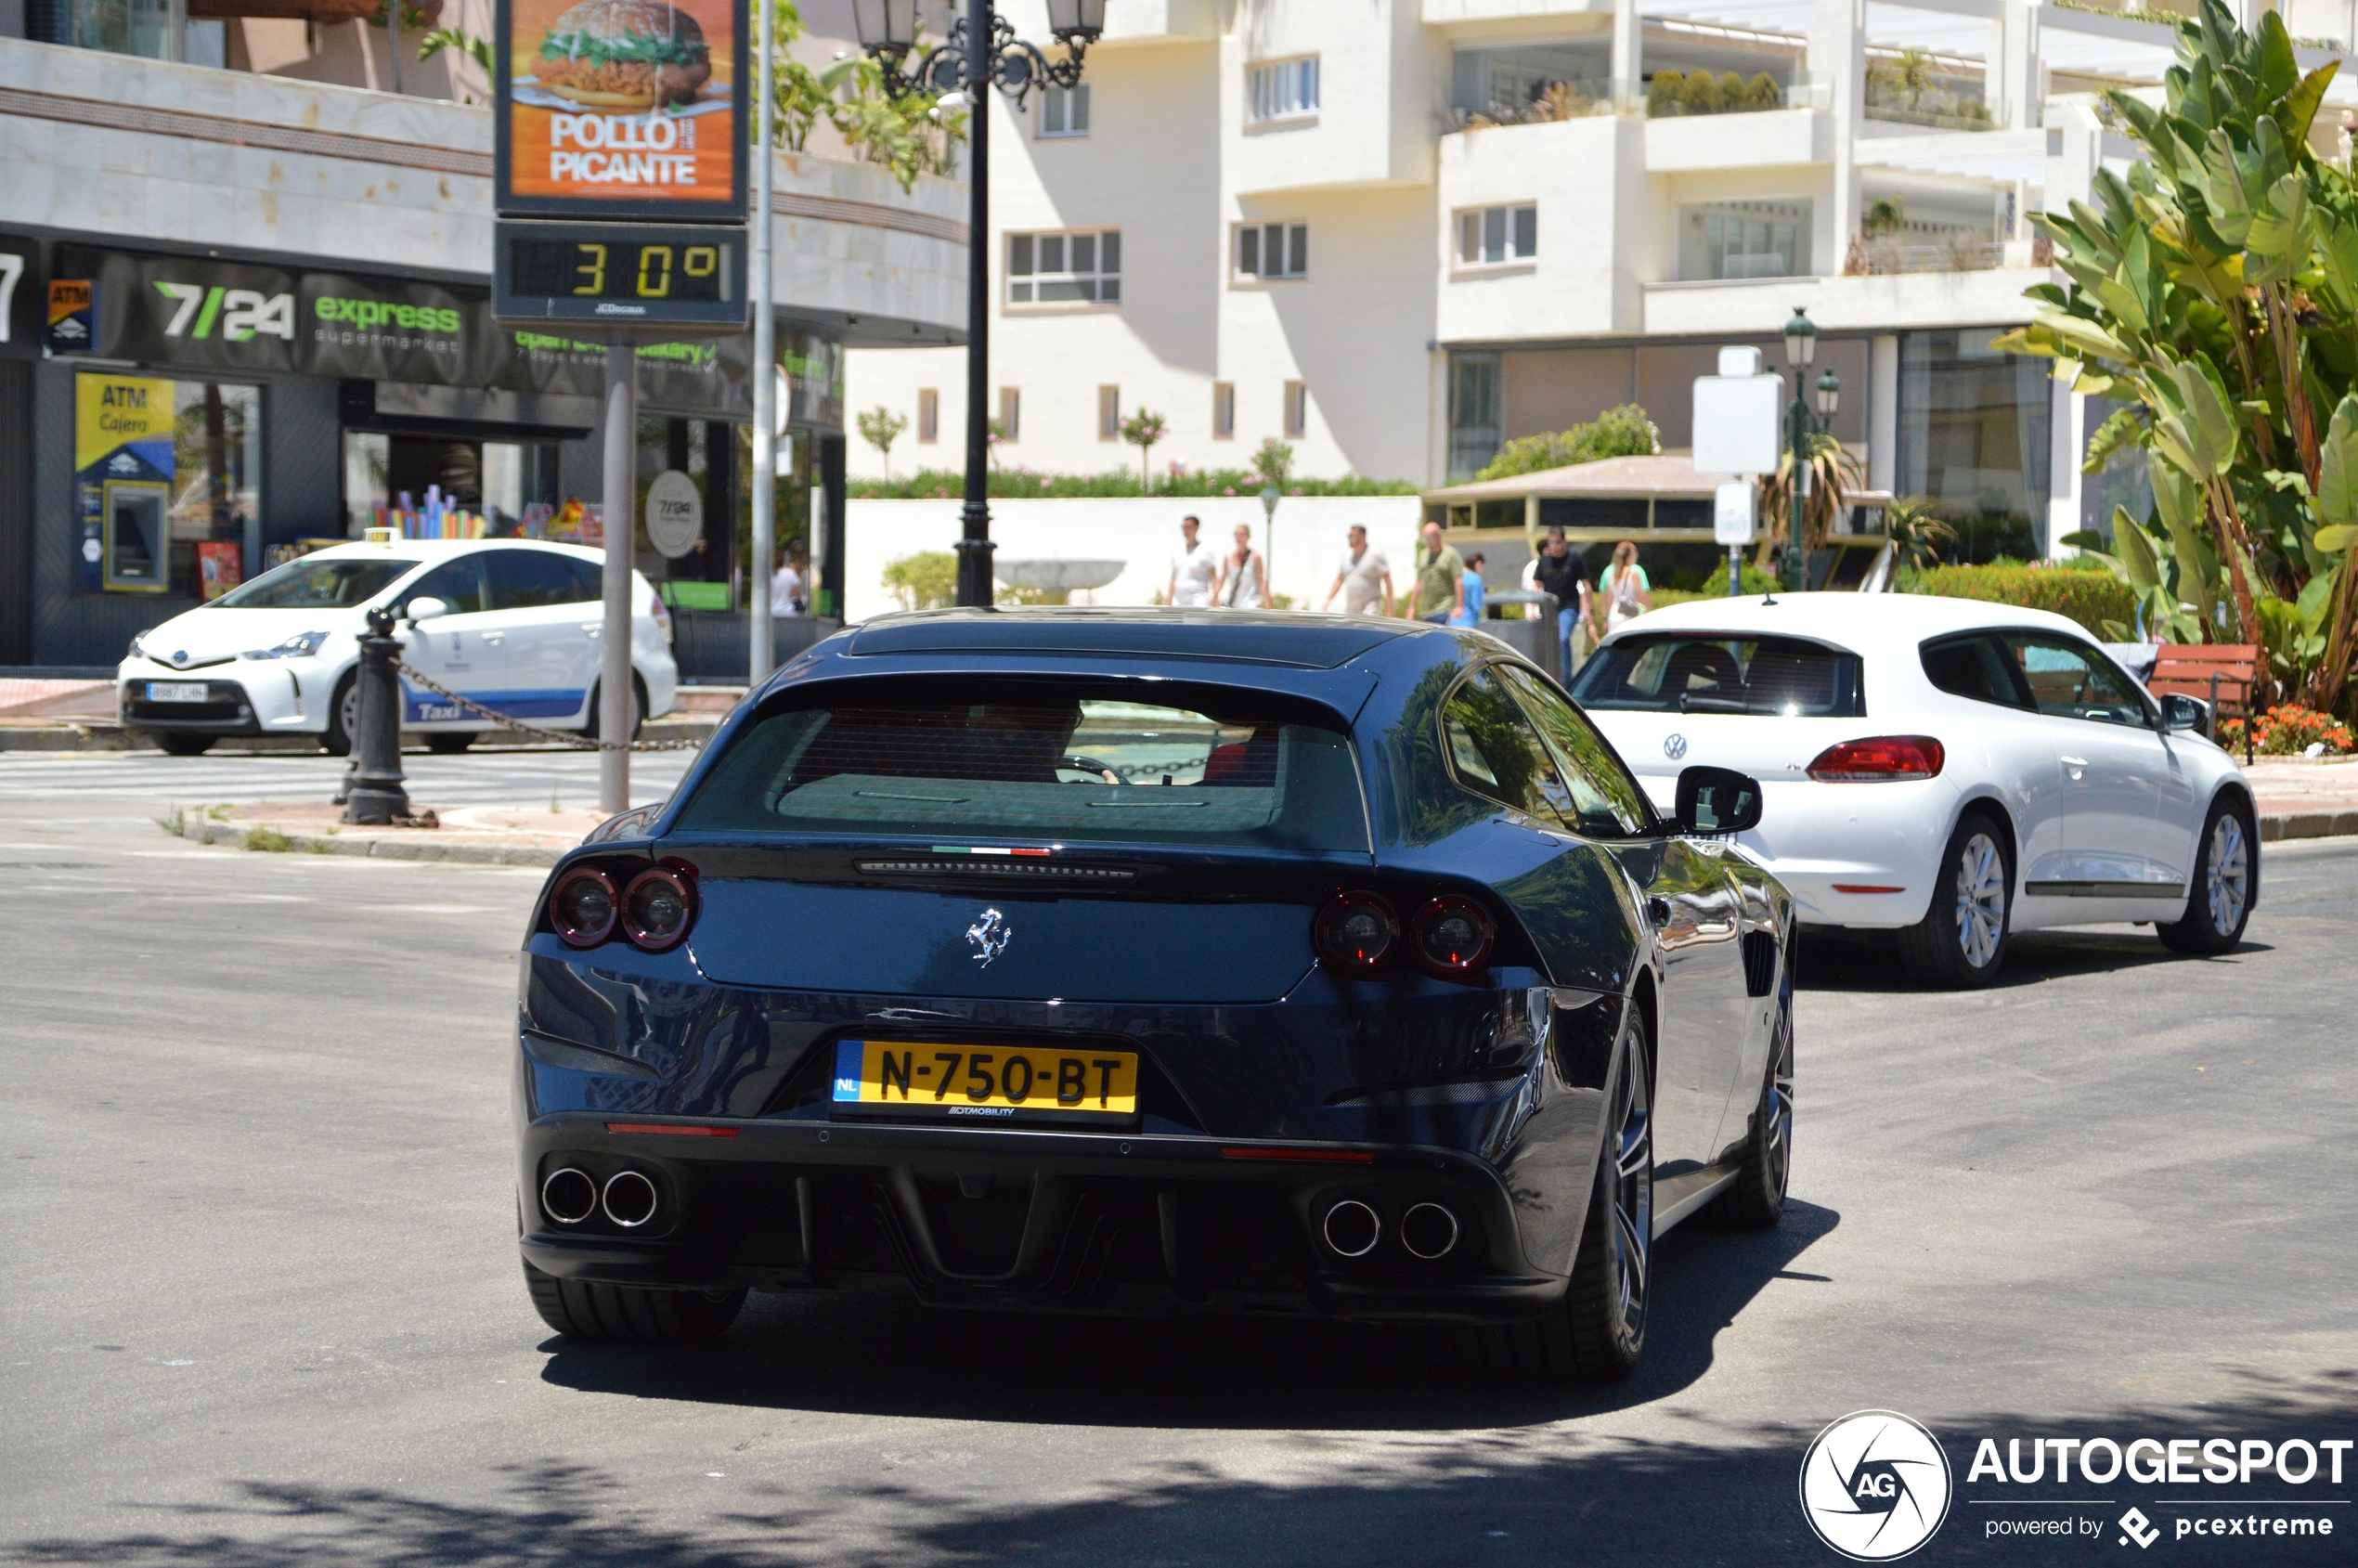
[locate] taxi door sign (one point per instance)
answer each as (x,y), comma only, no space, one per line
(629,109)
(73,316)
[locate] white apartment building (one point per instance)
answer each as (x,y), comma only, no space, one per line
(1397,233)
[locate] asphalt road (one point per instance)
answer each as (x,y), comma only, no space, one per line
(260,1307)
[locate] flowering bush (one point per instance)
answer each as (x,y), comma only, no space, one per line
(2289,729)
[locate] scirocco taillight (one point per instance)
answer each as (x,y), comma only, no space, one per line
(657,909)
(654,909)
(1358,931)
(1880,759)
(1452,936)
(584,907)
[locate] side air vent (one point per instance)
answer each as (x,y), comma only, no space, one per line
(1760,962)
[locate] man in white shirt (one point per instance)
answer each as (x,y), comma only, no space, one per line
(786,595)
(1195,570)
(1364,579)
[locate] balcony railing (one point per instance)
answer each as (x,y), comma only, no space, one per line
(1884,255)
(1667,95)
(1907,90)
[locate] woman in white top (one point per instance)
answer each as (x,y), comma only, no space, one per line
(1622,589)
(1243,577)
(1194,571)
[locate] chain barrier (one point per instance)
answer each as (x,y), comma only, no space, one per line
(578,743)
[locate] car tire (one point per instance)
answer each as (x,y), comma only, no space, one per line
(182,744)
(632,1312)
(1764,1168)
(2226,876)
(450,742)
(1961,943)
(638,710)
(343,715)
(1598,1331)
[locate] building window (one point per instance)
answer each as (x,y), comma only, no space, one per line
(1078,268)
(1721,241)
(1064,112)
(1223,410)
(1497,235)
(1109,413)
(1297,407)
(169,481)
(929,414)
(1473,413)
(1272,250)
(1281,90)
(1011,414)
(1973,435)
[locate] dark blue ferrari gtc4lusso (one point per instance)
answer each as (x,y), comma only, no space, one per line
(1145,961)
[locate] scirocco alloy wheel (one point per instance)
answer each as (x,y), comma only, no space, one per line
(1961,943)
(2219,899)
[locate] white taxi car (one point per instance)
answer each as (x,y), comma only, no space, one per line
(1949,770)
(511,624)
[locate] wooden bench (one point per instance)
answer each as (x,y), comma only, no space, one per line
(2221,673)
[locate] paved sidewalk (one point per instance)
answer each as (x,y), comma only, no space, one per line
(471,835)
(2305,798)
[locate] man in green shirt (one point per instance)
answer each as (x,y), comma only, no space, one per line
(1441,579)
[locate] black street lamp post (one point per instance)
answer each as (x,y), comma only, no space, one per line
(982,49)
(373,790)
(1801,348)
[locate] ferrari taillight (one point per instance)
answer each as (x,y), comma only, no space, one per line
(1358,931)
(1881,759)
(584,907)
(1453,936)
(658,908)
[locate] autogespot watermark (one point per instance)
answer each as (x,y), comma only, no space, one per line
(1876,1484)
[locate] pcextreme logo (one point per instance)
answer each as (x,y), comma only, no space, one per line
(1875,1485)
(241,314)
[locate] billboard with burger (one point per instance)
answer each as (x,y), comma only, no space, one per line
(622,108)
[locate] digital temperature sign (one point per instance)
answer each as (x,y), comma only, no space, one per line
(620,274)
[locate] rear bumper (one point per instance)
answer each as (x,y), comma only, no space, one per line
(1070,1221)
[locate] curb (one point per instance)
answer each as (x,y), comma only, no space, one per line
(2278,826)
(197,828)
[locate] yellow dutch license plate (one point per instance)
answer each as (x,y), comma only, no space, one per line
(984,1082)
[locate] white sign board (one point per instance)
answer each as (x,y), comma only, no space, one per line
(675,514)
(1736,420)
(1732,522)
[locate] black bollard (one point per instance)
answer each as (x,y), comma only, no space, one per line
(375,791)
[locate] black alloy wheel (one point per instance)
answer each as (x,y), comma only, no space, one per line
(343,716)
(2226,876)
(582,1311)
(1961,943)
(1764,1168)
(179,743)
(1598,1331)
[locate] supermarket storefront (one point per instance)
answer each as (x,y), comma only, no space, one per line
(196,420)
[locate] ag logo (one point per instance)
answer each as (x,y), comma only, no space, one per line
(1874,1486)
(990,934)
(1674,747)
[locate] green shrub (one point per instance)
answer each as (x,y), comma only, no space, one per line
(928,580)
(1010,483)
(2089,598)
(1765,92)
(1616,433)
(1664,93)
(1702,93)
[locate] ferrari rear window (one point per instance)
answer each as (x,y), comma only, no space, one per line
(1043,767)
(1772,677)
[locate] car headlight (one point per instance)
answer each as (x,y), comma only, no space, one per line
(300,646)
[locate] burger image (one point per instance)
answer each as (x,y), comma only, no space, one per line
(622,56)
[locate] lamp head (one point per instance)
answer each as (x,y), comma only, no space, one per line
(1829,394)
(887,28)
(1269,500)
(1801,340)
(1077,21)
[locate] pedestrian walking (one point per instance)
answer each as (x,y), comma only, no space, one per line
(1441,579)
(1364,579)
(1624,586)
(1559,570)
(1470,613)
(1244,576)
(1195,570)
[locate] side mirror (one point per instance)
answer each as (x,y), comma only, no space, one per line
(2180,711)
(426,609)
(1717,800)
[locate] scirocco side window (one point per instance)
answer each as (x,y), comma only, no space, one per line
(1040,765)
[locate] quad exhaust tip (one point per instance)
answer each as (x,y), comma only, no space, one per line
(1351,1228)
(629,1200)
(1428,1231)
(568,1196)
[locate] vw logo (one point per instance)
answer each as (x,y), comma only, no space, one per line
(1674,747)
(1874,1486)
(990,934)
